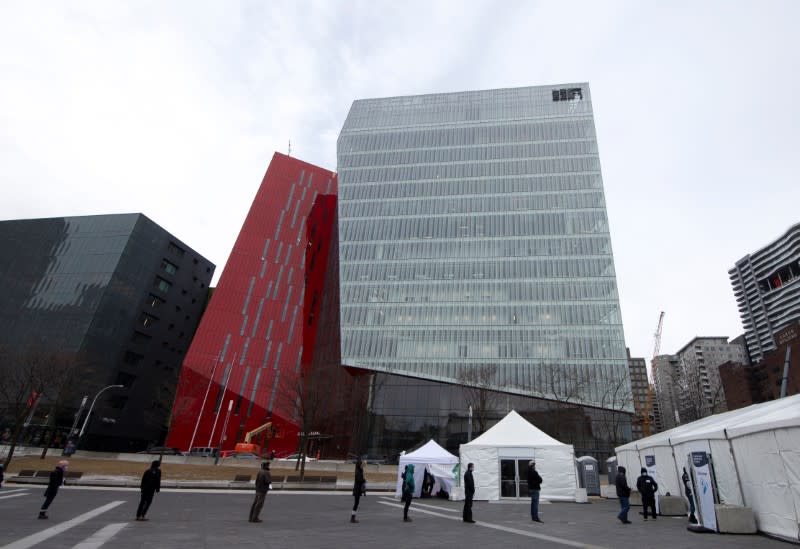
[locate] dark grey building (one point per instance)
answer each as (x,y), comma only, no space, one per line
(475,258)
(116,299)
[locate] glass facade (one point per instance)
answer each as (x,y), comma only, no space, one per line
(114,298)
(474,244)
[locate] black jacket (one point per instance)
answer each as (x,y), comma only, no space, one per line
(360,484)
(263,480)
(534,479)
(151,480)
(56,480)
(623,490)
(647,486)
(469,484)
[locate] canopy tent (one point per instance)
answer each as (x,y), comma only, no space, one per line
(438,461)
(507,447)
(755,454)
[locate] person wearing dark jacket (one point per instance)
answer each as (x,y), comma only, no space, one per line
(624,494)
(687,487)
(1,475)
(151,483)
(408,490)
(263,483)
(469,493)
(647,487)
(359,489)
(56,480)
(534,489)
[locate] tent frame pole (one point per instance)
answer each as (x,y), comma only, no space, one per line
(735,467)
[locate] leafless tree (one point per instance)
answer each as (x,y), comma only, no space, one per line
(615,396)
(478,386)
(29,380)
(701,392)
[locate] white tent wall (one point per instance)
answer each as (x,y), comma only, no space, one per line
(556,465)
(429,455)
(486,473)
(770,465)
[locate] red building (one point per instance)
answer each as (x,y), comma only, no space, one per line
(256,357)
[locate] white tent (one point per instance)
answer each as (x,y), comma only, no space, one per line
(755,453)
(439,462)
(509,446)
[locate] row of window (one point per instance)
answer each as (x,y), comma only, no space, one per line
(515,150)
(505,168)
(480,290)
(473,204)
(457,271)
(479,123)
(439,187)
(486,225)
(479,315)
(478,249)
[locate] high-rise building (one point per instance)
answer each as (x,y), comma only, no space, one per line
(666,379)
(475,256)
(266,351)
(101,300)
(701,392)
(767,288)
(643,419)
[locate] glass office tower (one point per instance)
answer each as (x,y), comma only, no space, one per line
(475,248)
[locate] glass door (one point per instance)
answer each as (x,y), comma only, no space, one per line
(514,477)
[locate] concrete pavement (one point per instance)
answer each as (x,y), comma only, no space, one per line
(98,517)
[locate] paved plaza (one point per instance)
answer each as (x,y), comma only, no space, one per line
(87,518)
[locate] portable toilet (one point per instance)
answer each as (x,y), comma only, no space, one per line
(589,475)
(611,467)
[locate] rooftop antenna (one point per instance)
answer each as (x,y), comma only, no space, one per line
(290,148)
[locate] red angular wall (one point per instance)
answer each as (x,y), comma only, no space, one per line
(259,330)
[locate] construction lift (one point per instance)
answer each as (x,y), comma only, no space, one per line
(248,446)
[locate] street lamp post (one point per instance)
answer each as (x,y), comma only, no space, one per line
(89,413)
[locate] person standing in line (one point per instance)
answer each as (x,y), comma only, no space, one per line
(56,480)
(624,494)
(648,487)
(687,487)
(408,490)
(151,483)
(263,484)
(469,493)
(1,475)
(534,489)
(359,489)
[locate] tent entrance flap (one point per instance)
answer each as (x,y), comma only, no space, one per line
(514,477)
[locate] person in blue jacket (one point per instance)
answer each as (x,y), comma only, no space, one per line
(408,490)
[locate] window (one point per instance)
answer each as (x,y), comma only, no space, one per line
(147,320)
(175,249)
(162,284)
(169,268)
(139,337)
(154,301)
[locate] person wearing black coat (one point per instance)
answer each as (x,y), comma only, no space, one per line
(624,494)
(359,489)
(469,493)
(263,484)
(534,489)
(56,480)
(151,483)
(648,487)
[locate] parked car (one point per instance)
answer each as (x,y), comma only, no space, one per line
(162,450)
(203,451)
(295,457)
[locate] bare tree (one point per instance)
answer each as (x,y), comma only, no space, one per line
(30,378)
(478,386)
(700,390)
(615,396)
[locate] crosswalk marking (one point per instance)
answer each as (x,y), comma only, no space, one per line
(429,506)
(48,533)
(517,531)
(99,538)
(13,491)
(13,496)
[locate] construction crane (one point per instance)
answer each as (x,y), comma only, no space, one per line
(248,446)
(651,377)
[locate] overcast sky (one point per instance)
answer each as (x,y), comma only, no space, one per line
(174,109)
